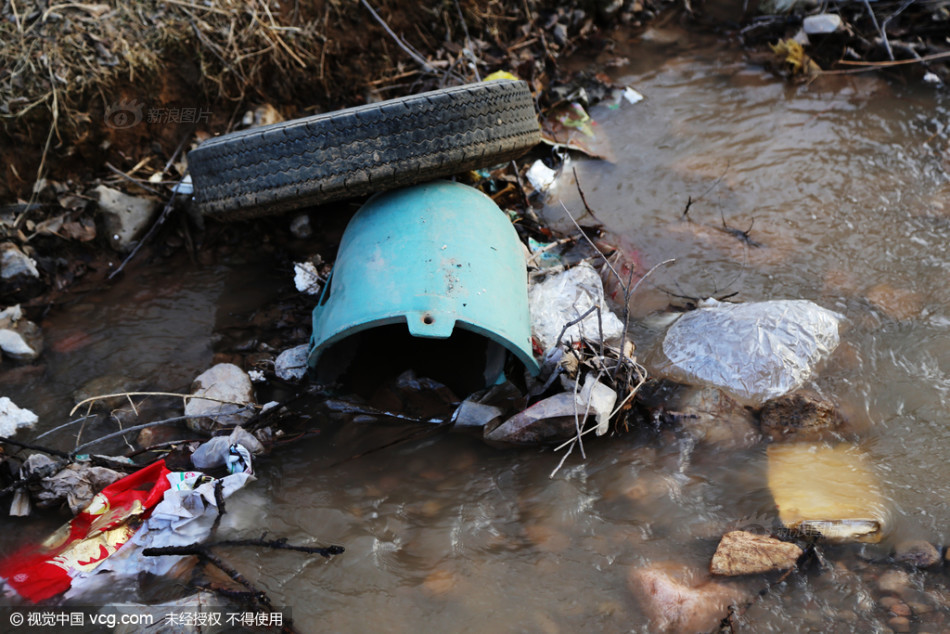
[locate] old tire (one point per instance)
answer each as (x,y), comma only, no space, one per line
(362,150)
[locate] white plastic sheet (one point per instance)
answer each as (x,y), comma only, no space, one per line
(564,297)
(758,350)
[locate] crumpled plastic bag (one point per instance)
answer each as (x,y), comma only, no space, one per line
(214,453)
(564,297)
(75,484)
(756,351)
(556,418)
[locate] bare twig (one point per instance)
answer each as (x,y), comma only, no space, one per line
(281,544)
(23,445)
(158,223)
(184,397)
(587,209)
(591,242)
(155,423)
(135,181)
(65,425)
(887,45)
(405,47)
(574,322)
(41,170)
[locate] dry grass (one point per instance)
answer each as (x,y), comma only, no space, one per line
(70,51)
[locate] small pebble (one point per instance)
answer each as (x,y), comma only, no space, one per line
(917,552)
(893,581)
(900,609)
(920,608)
(899,624)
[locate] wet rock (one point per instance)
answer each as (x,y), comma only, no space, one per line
(798,416)
(899,624)
(918,553)
(125,218)
(712,417)
(20,338)
(19,277)
(151,436)
(105,385)
(822,24)
(744,553)
(677,599)
(291,365)
(899,608)
(894,582)
(75,485)
(547,538)
(900,304)
(13,418)
(440,582)
(230,387)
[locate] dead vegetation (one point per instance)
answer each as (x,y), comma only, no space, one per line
(82,84)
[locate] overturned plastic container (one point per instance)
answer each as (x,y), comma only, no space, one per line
(432,277)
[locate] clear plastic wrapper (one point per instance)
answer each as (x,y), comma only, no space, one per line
(756,351)
(564,297)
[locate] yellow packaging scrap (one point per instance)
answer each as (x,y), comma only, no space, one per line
(828,490)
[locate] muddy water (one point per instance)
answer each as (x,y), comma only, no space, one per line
(846,183)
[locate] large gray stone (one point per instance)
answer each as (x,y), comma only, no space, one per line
(230,388)
(124,217)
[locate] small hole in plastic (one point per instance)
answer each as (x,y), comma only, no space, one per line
(428,320)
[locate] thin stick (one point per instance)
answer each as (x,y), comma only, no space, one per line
(186,397)
(591,242)
(574,322)
(887,45)
(135,181)
(899,62)
(65,425)
(414,55)
(155,423)
(158,223)
(49,139)
(587,209)
(281,544)
(52,452)
(468,42)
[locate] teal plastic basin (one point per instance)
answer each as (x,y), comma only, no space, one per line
(439,258)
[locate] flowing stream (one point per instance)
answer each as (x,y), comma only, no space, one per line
(844,183)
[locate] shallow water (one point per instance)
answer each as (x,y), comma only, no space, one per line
(846,182)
